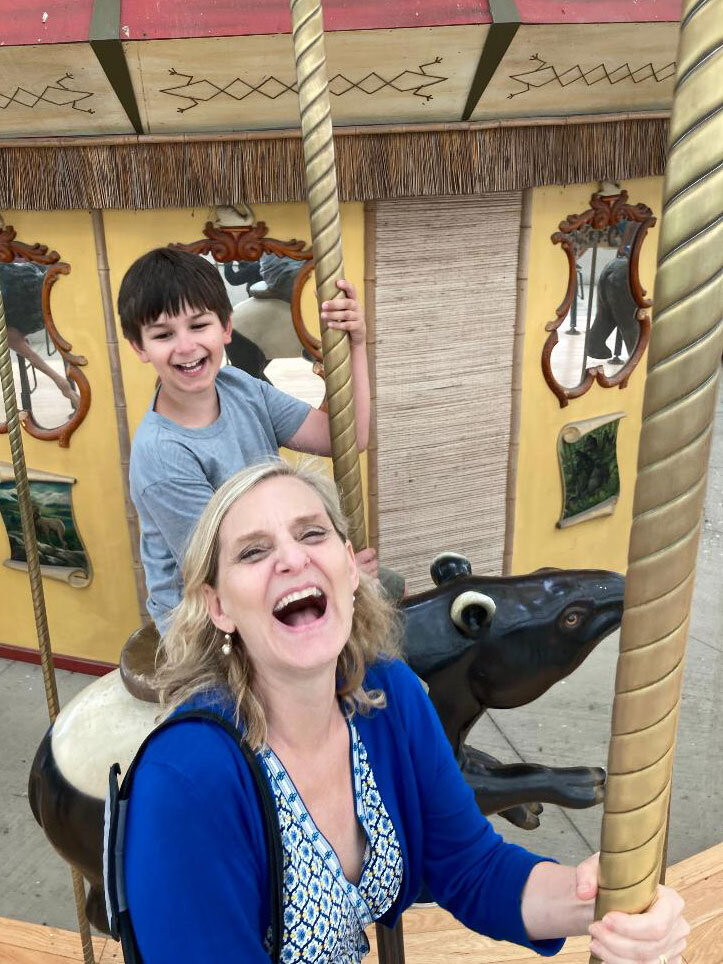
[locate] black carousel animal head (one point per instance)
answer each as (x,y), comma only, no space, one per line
(502,641)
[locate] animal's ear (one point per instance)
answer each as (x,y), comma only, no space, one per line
(448,566)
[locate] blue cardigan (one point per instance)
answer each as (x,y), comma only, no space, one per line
(195,860)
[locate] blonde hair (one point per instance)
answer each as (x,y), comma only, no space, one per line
(190,657)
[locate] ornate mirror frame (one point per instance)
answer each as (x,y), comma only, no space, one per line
(249,243)
(12,250)
(604,212)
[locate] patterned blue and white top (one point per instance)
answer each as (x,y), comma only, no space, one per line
(324,913)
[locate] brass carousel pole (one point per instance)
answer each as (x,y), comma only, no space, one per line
(680,398)
(308,33)
(309,53)
(36,583)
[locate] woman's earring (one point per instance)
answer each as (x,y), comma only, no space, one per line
(226,645)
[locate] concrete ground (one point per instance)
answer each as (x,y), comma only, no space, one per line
(568,726)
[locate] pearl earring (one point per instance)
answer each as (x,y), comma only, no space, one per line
(226,645)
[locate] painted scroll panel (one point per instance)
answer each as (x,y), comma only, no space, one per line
(241,83)
(57,89)
(61,553)
(583,68)
(445,309)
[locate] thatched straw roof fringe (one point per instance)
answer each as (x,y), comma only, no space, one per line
(372,164)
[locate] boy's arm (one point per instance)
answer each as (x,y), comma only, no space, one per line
(344,314)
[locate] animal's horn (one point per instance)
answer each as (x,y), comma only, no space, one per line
(448,565)
(465,611)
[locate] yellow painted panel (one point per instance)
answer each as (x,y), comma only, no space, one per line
(92,622)
(597,543)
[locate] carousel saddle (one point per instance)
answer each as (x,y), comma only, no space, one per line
(138,663)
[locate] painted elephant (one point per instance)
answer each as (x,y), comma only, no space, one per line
(476,641)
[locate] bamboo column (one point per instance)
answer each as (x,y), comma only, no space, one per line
(680,397)
(121,410)
(36,582)
(308,34)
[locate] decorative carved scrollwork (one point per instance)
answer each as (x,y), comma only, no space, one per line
(249,243)
(601,226)
(72,384)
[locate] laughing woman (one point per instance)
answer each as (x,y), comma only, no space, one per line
(280,633)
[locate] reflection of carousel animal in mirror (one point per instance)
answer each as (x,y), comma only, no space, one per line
(21,284)
(58,398)
(617,309)
(477,641)
(263,327)
(602,246)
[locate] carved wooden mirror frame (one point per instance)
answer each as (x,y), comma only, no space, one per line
(249,243)
(605,211)
(12,250)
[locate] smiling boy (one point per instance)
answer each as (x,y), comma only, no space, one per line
(208,420)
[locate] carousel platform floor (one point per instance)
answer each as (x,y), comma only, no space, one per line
(431,936)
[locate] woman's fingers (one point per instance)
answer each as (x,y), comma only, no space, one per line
(654,923)
(607,957)
(613,948)
(625,938)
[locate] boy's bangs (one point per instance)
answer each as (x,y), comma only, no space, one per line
(169,281)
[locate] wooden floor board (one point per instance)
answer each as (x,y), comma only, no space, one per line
(431,936)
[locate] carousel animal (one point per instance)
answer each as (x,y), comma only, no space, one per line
(476,641)
(47,526)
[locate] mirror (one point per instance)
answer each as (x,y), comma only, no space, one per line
(265,279)
(51,391)
(602,327)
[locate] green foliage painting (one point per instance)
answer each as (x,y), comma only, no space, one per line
(62,554)
(589,466)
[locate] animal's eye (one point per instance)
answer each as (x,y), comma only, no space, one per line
(572,618)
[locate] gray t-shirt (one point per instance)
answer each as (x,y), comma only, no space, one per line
(174,471)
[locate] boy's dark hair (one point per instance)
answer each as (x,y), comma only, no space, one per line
(167,280)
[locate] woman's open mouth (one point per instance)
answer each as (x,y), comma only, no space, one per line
(301,608)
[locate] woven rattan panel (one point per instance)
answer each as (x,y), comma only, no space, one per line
(445,321)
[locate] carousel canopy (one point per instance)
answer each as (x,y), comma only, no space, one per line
(104,67)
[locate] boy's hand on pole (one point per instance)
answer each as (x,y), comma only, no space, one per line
(345,314)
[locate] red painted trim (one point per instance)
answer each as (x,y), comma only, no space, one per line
(73,664)
(599,11)
(22,23)
(69,20)
(165,19)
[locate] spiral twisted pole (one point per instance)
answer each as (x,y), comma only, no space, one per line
(36,582)
(680,398)
(309,53)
